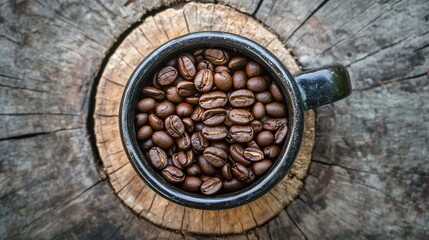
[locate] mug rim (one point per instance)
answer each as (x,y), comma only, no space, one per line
(234,42)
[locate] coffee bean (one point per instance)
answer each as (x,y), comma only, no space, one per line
(261,167)
(189,124)
(256,84)
(253,154)
(215,156)
(273,124)
(205,65)
(199,142)
(216,56)
(241,134)
(193,100)
(170,151)
(240,172)
(256,126)
(205,166)
(204,80)
(264,97)
(213,117)
(186,67)
(239,79)
(185,88)
(192,184)
(184,142)
(215,99)
(184,109)
(236,152)
(272,151)
(166,75)
(173,174)
(223,81)
(144,132)
(237,63)
(162,139)
(258,110)
(198,126)
(164,109)
(147,144)
(172,62)
(281,135)
(153,92)
(146,105)
(172,95)
(225,172)
(265,138)
(233,185)
(276,93)
(215,133)
(141,119)
(211,186)
(174,126)
(253,144)
(275,109)
(175,160)
(194,170)
(220,69)
(186,158)
(197,114)
(155,122)
(240,116)
(241,98)
(198,51)
(158,158)
(253,69)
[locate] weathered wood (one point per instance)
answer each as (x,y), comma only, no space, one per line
(154,31)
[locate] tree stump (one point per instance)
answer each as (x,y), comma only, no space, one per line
(151,33)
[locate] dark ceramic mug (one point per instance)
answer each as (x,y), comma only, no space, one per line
(306,90)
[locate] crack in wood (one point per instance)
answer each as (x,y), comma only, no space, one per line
(387,82)
(257,8)
(37,134)
(296,225)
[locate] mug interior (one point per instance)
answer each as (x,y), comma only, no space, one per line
(142,76)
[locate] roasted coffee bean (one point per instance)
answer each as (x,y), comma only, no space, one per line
(233,185)
(264,97)
(273,124)
(144,132)
(280,135)
(174,126)
(153,92)
(203,81)
(216,56)
(184,142)
(253,69)
(236,151)
(197,114)
(229,138)
(241,98)
(205,65)
(215,99)
(186,158)
(213,117)
(253,154)
(192,184)
(166,75)
(215,133)
(253,144)
(199,142)
(171,150)
(173,174)
(225,172)
(205,166)
(211,186)
(165,109)
(199,126)
(237,63)
(193,100)
(176,163)
(261,167)
(223,81)
(162,139)
(158,158)
(265,138)
(240,116)
(189,125)
(198,59)
(276,93)
(141,119)
(256,126)
(220,69)
(227,122)
(185,88)
(155,122)
(215,156)
(184,109)
(220,144)
(239,79)
(172,95)
(256,84)
(268,80)
(194,170)
(147,144)
(275,109)
(272,151)
(146,105)
(172,62)
(186,67)
(258,110)
(240,171)
(241,134)
(199,51)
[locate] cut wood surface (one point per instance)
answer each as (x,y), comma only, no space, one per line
(368,177)
(152,32)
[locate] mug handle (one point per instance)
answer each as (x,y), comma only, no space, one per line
(323,85)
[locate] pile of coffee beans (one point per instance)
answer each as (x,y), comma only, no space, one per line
(212,121)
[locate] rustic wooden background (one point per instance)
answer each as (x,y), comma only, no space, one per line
(369,174)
